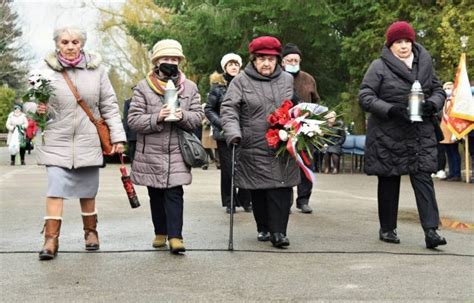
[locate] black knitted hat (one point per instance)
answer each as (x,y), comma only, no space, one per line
(290,48)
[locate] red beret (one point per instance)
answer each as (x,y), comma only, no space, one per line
(265,45)
(400,30)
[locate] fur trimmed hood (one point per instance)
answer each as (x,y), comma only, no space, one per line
(216,78)
(92,61)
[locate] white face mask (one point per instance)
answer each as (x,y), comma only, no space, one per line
(448,92)
(292,68)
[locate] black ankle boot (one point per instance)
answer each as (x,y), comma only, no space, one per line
(279,240)
(389,236)
(263,236)
(433,239)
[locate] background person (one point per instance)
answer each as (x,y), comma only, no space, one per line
(158,163)
(208,142)
(131,134)
(17,123)
(230,64)
(71,150)
(394,145)
(251,97)
(450,143)
(333,150)
(305,87)
(30,133)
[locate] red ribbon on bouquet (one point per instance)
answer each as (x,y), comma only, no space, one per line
(291,147)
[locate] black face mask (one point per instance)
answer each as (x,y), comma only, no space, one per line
(169,70)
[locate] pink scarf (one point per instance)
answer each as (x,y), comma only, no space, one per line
(71,63)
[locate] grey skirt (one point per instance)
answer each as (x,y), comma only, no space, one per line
(72,183)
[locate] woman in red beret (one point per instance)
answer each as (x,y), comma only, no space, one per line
(395,145)
(251,97)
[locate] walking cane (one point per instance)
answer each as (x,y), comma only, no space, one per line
(231,225)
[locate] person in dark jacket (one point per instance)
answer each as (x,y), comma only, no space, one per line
(396,146)
(305,87)
(131,134)
(333,150)
(250,99)
(230,64)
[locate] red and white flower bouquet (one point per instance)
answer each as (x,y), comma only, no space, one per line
(297,130)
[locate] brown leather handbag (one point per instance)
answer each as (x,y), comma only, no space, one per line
(102,128)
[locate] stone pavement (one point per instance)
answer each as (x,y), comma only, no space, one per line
(335,253)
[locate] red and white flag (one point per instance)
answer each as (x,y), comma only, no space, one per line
(458,112)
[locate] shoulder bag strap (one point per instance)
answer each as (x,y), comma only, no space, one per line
(79,100)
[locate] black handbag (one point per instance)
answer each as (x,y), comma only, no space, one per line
(194,154)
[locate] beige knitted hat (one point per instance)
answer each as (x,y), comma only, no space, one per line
(166,47)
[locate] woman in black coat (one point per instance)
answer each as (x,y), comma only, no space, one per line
(230,64)
(396,146)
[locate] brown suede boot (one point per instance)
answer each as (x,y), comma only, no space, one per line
(51,229)
(90,230)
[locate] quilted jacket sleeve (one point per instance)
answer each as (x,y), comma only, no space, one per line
(109,109)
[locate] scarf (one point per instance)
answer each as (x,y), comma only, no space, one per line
(228,78)
(70,63)
(158,85)
(408,61)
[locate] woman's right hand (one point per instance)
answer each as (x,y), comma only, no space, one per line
(164,112)
(42,108)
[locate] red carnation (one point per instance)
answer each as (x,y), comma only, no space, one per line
(272,119)
(286,104)
(283,115)
(272,137)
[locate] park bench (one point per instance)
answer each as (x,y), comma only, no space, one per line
(3,138)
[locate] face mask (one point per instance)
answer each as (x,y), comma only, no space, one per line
(292,68)
(169,70)
(448,92)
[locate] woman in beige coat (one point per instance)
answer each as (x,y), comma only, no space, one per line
(71,148)
(158,163)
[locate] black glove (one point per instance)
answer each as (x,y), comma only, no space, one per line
(428,108)
(399,113)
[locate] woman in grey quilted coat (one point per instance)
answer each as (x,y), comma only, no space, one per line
(251,97)
(396,146)
(158,162)
(71,149)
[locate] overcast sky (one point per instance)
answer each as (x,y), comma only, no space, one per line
(39,18)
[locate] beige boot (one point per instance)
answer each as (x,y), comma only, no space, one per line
(90,230)
(160,241)
(176,246)
(52,227)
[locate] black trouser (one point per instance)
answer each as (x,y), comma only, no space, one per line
(167,210)
(304,190)
(132,146)
(22,155)
(271,208)
(389,193)
(243,197)
(441,156)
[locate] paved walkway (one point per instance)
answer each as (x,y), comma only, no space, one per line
(335,253)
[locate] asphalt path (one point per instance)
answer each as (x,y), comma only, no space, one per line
(335,253)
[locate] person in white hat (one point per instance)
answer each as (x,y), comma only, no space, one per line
(231,64)
(158,163)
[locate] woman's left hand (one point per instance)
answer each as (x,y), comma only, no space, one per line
(117,148)
(179,114)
